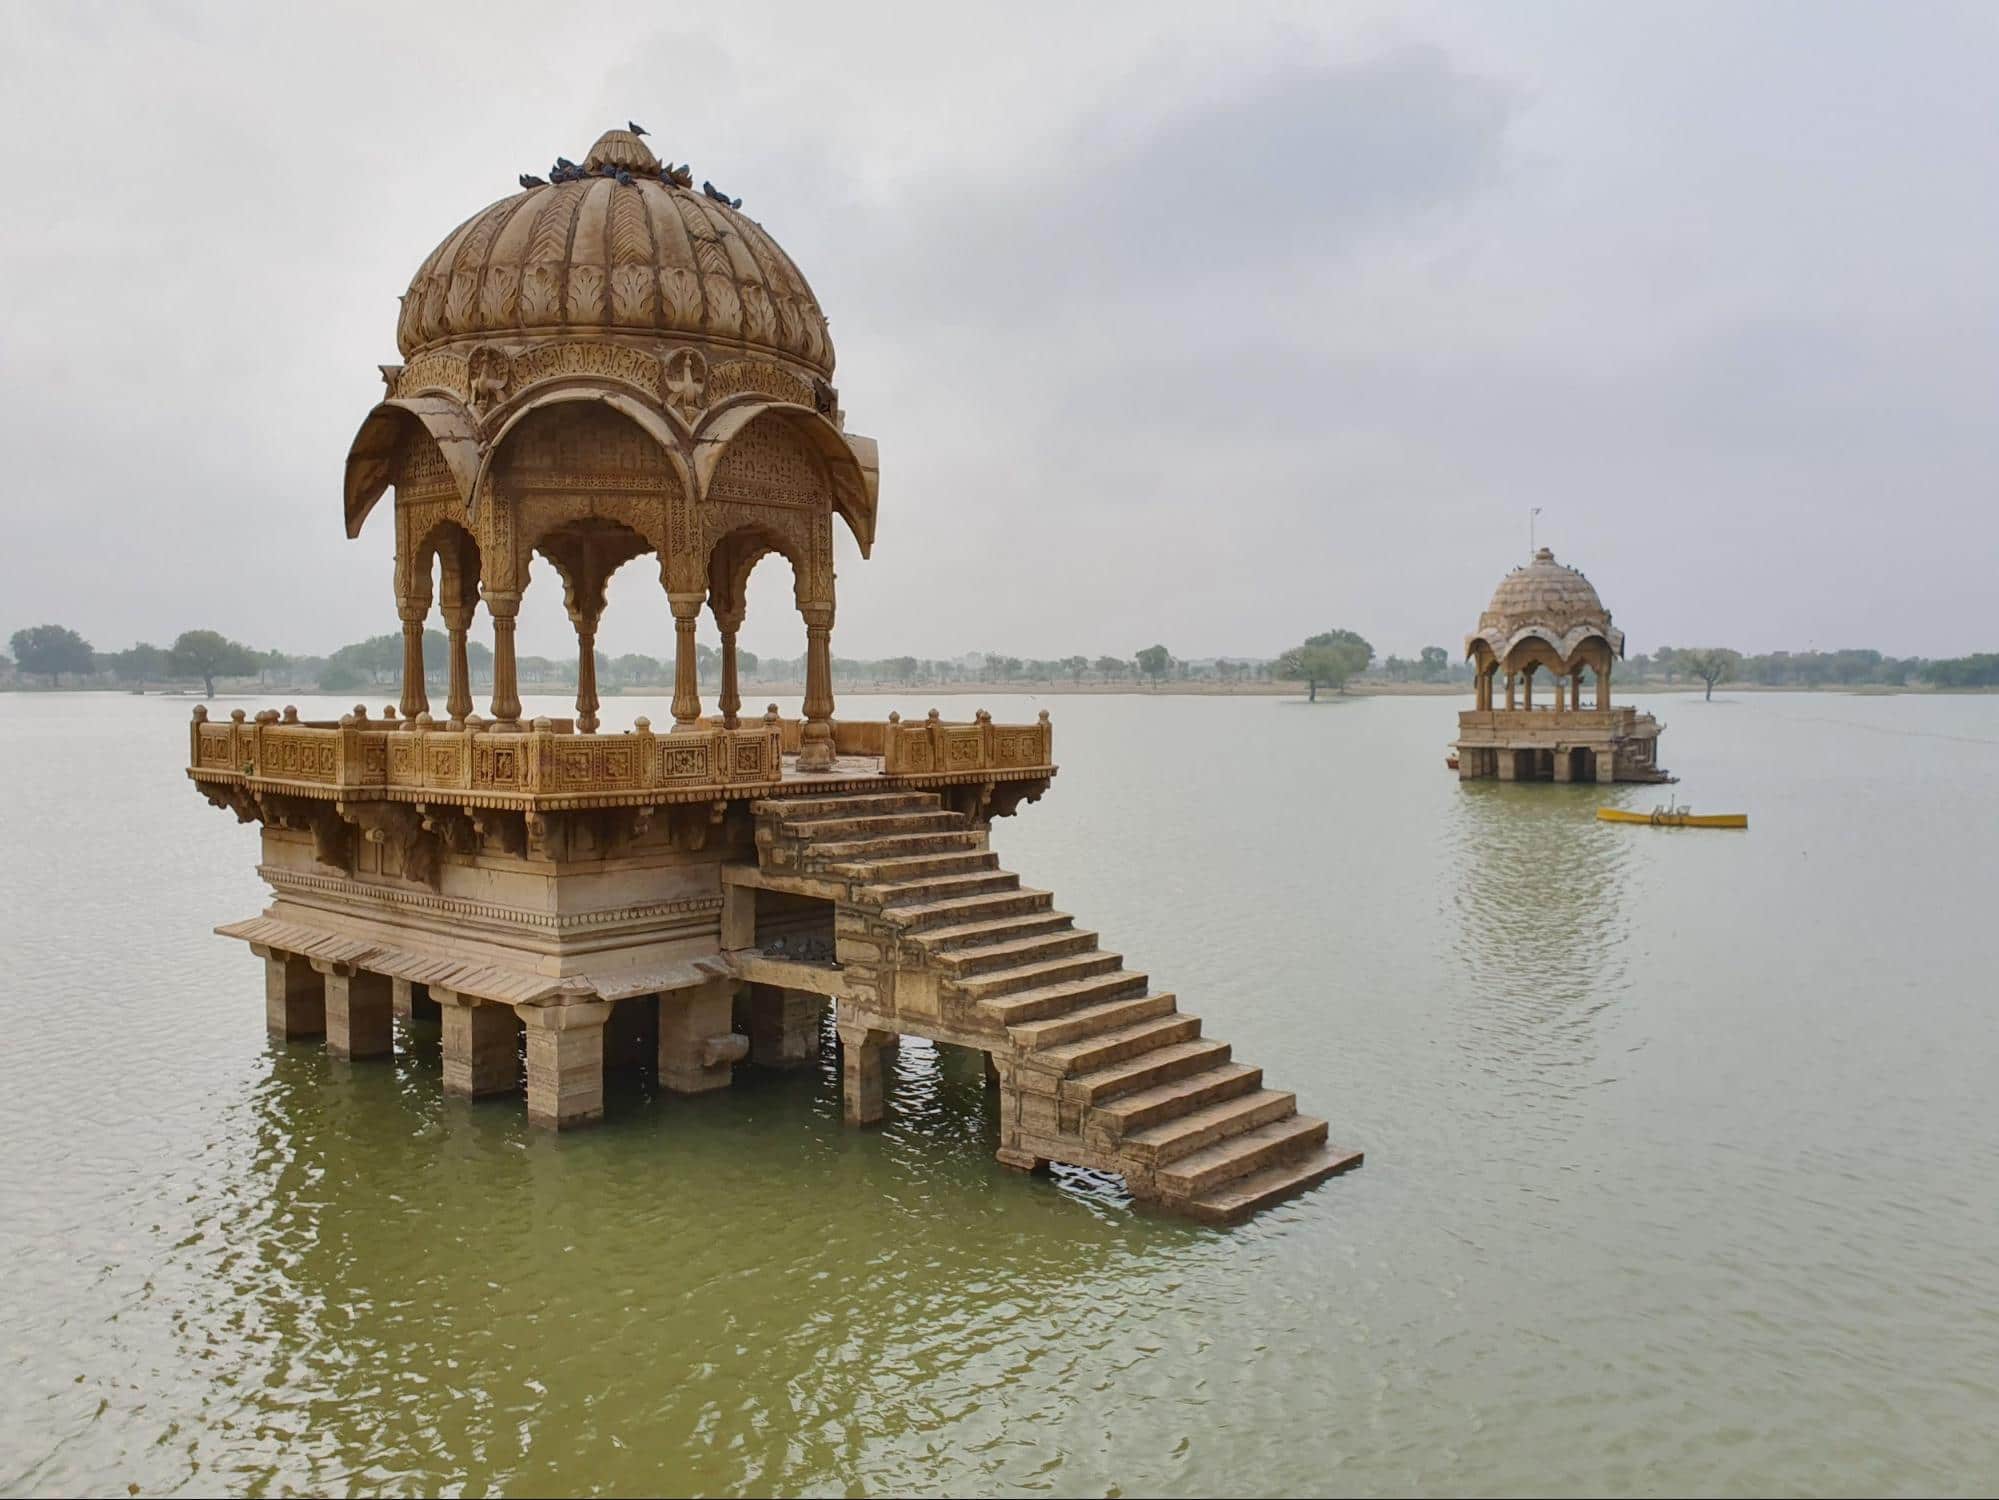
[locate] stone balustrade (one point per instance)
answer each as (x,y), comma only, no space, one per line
(547,764)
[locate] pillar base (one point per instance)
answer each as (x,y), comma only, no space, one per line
(565,1063)
(481,1050)
(698,1045)
(1020,1161)
(294,997)
(360,1015)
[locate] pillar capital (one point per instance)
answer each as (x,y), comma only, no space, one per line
(686,606)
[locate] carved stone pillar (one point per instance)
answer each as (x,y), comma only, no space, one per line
(506,706)
(1603,688)
(360,1019)
(586,678)
(1559,680)
(862,1053)
(815,750)
(481,1046)
(1510,684)
(698,1045)
(784,1026)
(731,700)
(458,699)
(414,700)
(565,1062)
(294,996)
(686,682)
(412,1001)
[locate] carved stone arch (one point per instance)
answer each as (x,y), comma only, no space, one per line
(1535,649)
(385,444)
(585,553)
(847,462)
(735,555)
(666,431)
(457,553)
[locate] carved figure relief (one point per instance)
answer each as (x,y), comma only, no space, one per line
(490,373)
(685,382)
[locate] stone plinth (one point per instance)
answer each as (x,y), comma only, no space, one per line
(481,1045)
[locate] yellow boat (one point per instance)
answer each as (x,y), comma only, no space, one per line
(1674,817)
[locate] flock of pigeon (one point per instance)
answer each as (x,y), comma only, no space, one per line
(681,176)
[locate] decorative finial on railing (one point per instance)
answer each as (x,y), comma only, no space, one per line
(1044,716)
(770,714)
(983,717)
(291,713)
(266,716)
(389,712)
(642,724)
(360,713)
(346,721)
(201,713)
(935,716)
(425,722)
(237,716)
(894,717)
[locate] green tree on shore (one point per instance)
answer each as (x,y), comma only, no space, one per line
(1332,659)
(51,650)
(208,654)
(1154,661)
(1711,664)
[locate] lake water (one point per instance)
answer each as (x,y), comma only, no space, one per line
(1682,1154)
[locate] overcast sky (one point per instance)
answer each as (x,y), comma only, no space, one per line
(1212,325)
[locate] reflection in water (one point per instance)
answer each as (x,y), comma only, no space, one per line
(1541,932)
(403,1291)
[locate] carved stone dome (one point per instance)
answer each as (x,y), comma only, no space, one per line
(1548,600)
(621,246)
(1544,593)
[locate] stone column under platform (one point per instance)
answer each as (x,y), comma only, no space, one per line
(294,996)
(1606,767)
(565,1051)
(481,1047)
(784,1026)
(360,1015)
(1509,765)
(412,1001)
(698,1043)
(1564,764)
(863,1051)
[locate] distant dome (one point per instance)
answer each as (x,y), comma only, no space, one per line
(1545,599)
(603,252)
(1544,593)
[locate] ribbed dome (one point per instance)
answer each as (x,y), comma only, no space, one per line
(1544,593)
(615,247)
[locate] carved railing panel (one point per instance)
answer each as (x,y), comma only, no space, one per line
(933,746)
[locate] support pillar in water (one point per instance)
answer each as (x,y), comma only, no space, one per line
(698,1045)
(294,996)
(565,1062)
(863,1051)
(481,1046)
(360,1017)
(784,1026)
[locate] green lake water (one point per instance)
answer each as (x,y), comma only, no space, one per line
(1682,1154)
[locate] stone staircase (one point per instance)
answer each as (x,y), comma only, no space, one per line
(1095,1068)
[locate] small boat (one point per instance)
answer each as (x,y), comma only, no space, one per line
(1673,816)
(1451,761)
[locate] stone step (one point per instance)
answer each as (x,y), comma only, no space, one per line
(982,987)
(850,804)
(1053,999)
(1016,953)
(1094,1052)
(1089,1020)
(889,846)
(1240,1155)
(1235,1200)
(931,889)
(1174,1140)
(1150,1069)
(814,830)
(1129,1113)
(962,935)
(960,910)
(913,866)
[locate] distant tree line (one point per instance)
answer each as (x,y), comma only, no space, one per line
(57,656)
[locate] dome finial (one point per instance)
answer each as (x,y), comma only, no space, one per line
(621,149)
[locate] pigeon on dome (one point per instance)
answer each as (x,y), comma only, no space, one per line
(719,196)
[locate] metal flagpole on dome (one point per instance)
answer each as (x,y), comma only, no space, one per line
(1531,514)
